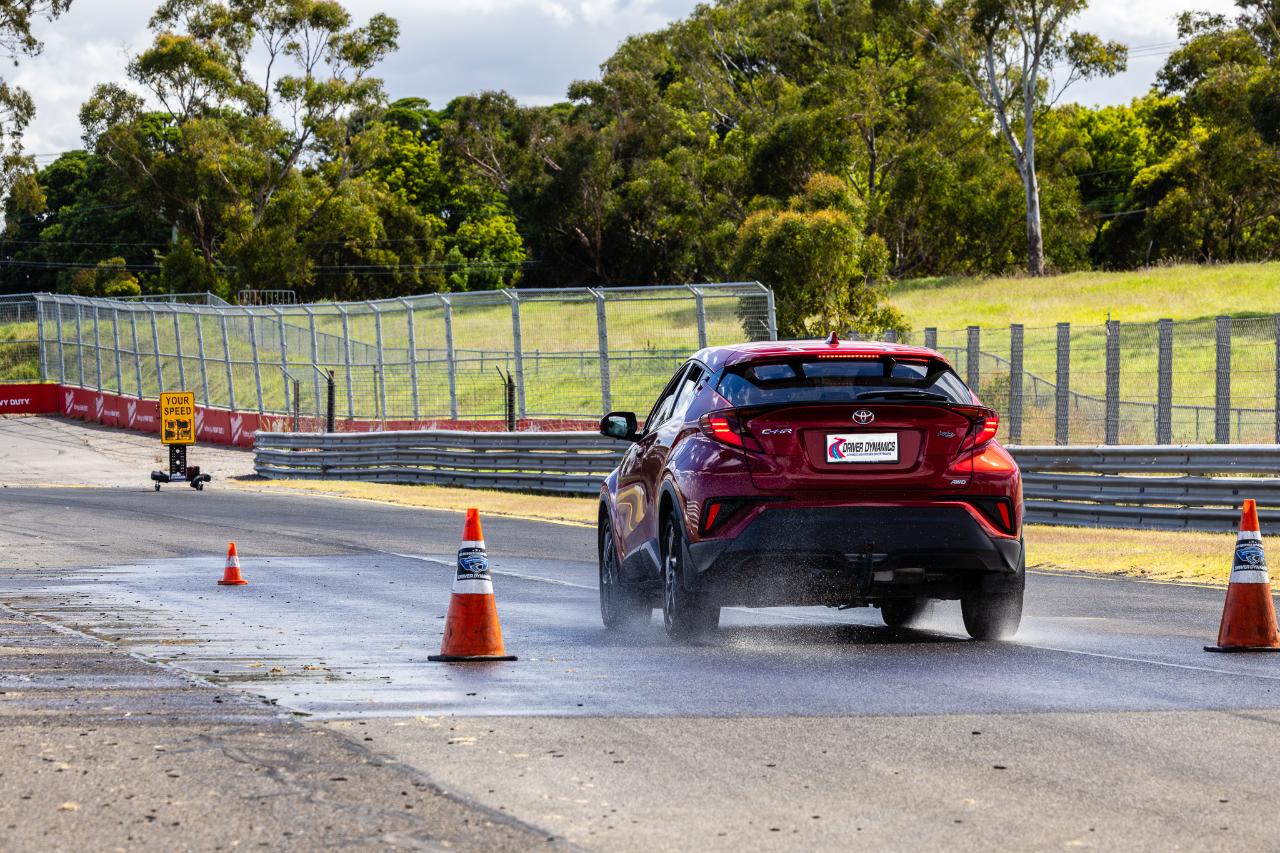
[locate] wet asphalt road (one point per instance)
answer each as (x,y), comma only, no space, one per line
(1103,725)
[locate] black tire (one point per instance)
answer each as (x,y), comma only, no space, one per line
(905,612)
(686,613)
(993,611)
(199,487)
(620,605)
(157,487)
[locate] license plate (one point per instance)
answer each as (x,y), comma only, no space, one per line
(863,447)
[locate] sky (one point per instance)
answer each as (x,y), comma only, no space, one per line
(531,48)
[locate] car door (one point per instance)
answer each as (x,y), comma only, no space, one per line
(638,481)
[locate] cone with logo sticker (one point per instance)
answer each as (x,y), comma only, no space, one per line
(471,630)
(1249,617)
(231,575)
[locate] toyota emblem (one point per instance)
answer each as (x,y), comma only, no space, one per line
(862,416)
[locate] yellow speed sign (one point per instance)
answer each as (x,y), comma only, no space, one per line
(178,417)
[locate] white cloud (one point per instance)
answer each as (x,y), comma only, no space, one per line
(1137,23)
(531,48)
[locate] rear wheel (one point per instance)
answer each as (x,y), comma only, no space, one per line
(686,613)
(620,605)
(993,611)
(905,612)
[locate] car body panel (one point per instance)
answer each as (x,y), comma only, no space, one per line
(791,527)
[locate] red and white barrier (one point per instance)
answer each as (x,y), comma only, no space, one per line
(221,426)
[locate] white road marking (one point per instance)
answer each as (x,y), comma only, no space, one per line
(1169,664)
(801,618)
(493,571)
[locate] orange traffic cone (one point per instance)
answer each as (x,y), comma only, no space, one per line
(1249,618)
(231,576)
(471,630)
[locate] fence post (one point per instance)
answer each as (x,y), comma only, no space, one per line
(115,337)
(519,349)
(700,308)
(346,358)
(972,368)
(1164,383)
(379,359)
(1277,375)
(204,367)
(1222,385)
(62,353)
(155,348)
(177,351)
(284,360)
(315,352)
(97,348)
(931,337)
(450,358)
(1111,423)
(602,334)
(40,343)
(772,319)
(1015,383)
(226,357)
(331,404)
(80,341)
(412,354)
(253,354)
(137,354)
(1062,403)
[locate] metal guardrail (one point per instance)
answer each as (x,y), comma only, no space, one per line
(561,462)
(1187,487)
(1171,487)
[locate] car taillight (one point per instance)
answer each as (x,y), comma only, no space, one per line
(721,428)
(727,428)
(986,423)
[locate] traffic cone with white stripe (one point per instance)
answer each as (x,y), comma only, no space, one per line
(231,574)
(471,630)
(1249,618)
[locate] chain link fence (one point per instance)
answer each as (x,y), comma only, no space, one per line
(570,354)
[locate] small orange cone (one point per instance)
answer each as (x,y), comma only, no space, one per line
(1249,618)
(471,630)
(231,577)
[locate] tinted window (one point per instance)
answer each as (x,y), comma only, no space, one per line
(662,409)
(687,386)
(838,381)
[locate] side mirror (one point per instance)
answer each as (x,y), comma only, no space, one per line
(619,425)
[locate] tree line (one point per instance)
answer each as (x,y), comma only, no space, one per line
(824,147)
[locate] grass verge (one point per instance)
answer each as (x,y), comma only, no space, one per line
(1183,292)
(1158,555)
(561,510)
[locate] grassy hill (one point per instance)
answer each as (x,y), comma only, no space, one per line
(1178,292)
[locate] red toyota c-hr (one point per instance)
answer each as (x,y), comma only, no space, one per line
(807,473)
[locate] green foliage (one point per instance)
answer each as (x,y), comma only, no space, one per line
(819,262)
(109,278)
(822,146)
(184,270)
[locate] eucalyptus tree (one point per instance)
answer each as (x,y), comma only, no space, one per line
(240,98)
(1020,58)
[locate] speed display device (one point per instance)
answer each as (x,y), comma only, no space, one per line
(178,417)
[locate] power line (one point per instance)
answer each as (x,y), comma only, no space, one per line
(6,241)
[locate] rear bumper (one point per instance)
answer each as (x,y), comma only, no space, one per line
(853,554)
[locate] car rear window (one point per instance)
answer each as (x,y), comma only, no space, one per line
(837,380)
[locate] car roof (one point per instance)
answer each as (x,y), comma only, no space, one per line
(717,357)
